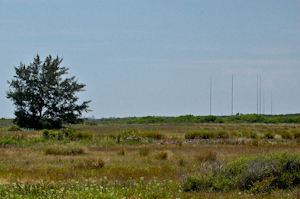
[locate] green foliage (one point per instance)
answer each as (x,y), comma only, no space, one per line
(90,163)
(184,118)
(162,155)
(43,99)
(144,151)
(247,118)
(259,174)
(150,119)
(209,156)
(71,134)
(121,152)
(287,135)
(296,133)
(14,128)
(136,136)
(199,134)
(153,135)
(223,134)
(269,135)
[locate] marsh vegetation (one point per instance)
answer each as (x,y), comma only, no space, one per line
(157,160)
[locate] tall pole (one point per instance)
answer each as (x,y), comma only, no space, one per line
(210,94)
(263,102)
(271,103)
(260,96)
(257,96)
(232,97)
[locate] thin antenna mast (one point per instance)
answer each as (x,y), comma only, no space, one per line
(210,94)
(271,103)
(257,96)
(263,102)
(232,97)
(260,96)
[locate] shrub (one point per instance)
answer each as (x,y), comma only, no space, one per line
(296,133)
(223,134)
(150,119)
(234,134)
(45,133)
(153,135)
(122,152)
(14,128)
(210,156)
(66,133)
(255,142)
(144,151)
(181,162)
(269,135)
(287,135)
(200,135)
(80,135)
(64,150)
(91,163)
(163,155)
(259,173)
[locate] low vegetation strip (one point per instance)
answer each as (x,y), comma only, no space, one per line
(247,118)
(258,174)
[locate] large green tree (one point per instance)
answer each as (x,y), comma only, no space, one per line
(42,97)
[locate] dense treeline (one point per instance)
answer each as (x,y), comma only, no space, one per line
(247,118)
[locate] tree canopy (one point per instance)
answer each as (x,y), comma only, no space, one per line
(42,97)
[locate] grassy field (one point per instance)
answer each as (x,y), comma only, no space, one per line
(163,160)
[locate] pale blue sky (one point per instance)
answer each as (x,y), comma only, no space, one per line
(140,58)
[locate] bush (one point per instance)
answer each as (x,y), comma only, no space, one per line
(287,135)
(259,174)
(14,128)
(66,133)
(80,135)
(223,134)
(296,133)
(269,135)
(200,135)
(209,156)
(144,151)
(163,155)
(122,152)
(153,135)
(91,163)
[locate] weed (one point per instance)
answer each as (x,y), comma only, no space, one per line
(223,134)
(64,150)
(200,135)
(287,135)
(153,135)
(144,151)
(255,142)
(269,135)
(163,155)
(121,152)
(210,156)
(181,162)
(91,163)
(296,133)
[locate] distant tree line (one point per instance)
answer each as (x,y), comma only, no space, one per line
(247,118)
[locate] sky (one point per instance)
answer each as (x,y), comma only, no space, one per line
(157,57)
